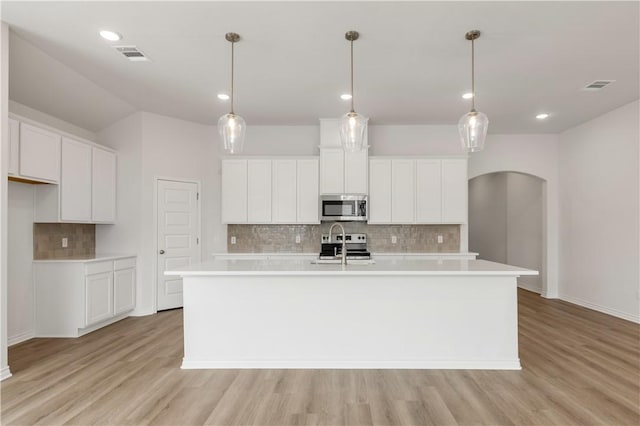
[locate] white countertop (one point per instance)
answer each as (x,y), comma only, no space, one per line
(315,254)
(246,267)
(99,257)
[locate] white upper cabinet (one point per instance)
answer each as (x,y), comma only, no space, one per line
(14,147)
(75,181)
(103,186)
(341,172)
(379,191)
(259,191)
(455,187)
(234,191)
(402,191)
(331,171)
(428,191)
(284,191)
(39,153)
(308,207)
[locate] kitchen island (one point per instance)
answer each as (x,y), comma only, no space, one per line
(396,313)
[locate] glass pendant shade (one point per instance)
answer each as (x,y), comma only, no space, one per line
(473,130)
(353,128)
(232,128)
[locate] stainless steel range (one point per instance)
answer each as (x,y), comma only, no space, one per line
(356,245)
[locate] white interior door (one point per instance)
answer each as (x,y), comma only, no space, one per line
(178,218)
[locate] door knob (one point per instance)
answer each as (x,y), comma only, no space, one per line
(161,251)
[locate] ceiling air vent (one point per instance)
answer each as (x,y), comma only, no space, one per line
(598,85)
(132,53)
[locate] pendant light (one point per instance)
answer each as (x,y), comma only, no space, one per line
(231,126)
(473,125)
(353,126)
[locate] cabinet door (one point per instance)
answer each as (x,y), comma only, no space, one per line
(259,191)
(428,191)
(103,188)
(98,297)
(380,191)
(39,153)
(14,146)
(402,191)
(124,289)
(331,171)
(455,186)
(234,191)
(356,166)
(75,181)
(284,191)
(308,207)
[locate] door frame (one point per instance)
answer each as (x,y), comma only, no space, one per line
(156,179)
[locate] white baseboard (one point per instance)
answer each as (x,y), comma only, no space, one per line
(530,287)
(600,308)
(19,338)
(5,373)
(506,364)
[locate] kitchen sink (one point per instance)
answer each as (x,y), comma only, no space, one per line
(338,261)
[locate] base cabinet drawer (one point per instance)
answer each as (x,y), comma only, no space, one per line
(75,298)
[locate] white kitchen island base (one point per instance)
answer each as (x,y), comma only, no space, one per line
(416,315)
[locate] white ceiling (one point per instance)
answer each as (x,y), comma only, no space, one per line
(412,61)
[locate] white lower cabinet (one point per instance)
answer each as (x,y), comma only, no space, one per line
(74,297)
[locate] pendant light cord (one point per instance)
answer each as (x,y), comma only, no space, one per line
(232,60)
(473,73)
(352,109)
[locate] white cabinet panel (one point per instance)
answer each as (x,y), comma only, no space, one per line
(402,191)
(428,191)
(75,181)
(379,191)
(103,187)
(307,187)
(284,191)
(39,153)
(331,171)
(124,289)
(259,191)
(99,297)
(234,191)
(455,186)
(355,172)
(14,146)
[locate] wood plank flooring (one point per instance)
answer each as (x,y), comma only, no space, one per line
(579,367)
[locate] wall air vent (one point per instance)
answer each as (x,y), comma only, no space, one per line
(598,85)
(132,53)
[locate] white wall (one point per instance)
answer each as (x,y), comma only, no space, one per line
(414,140)
(4,166)
(49,120)
(488,216)
(279,140)
(20,312)
(599,213)
(536,155)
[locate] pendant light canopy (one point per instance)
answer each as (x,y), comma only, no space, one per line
(231,126)
(353,126)
(473,125)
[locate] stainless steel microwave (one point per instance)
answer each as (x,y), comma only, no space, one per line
(344,207)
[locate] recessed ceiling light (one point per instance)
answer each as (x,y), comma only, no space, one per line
(110,35)
(223,96)
(542,116)
(467,96)
(345,96)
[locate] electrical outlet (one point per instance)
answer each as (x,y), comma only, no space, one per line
(297,239)
(440,239)
(65,242)
(233,239)
(394,239)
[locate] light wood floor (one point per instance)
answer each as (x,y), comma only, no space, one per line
(579,367)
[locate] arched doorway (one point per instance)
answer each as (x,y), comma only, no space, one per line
(507,222)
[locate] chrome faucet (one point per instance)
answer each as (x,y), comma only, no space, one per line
(344,242)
